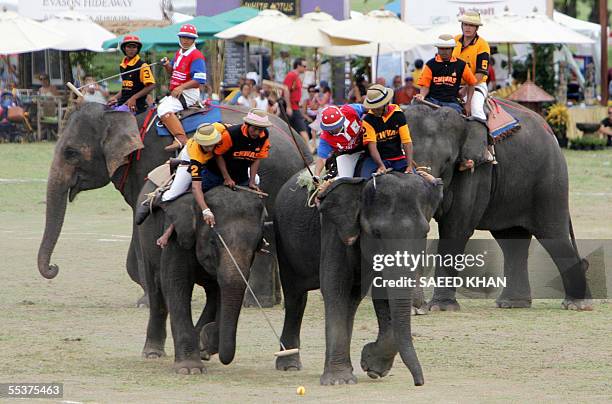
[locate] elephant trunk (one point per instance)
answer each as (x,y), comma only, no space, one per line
(232,294)
(400,320)
(58,186)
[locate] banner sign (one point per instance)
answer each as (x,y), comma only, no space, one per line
(442,11)
(98,10)
(289,7)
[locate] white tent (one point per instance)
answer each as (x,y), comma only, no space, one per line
(81,32)
(20,34)
(255,27)
(494,30)
(544,30)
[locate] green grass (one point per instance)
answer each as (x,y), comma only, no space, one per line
(81,328)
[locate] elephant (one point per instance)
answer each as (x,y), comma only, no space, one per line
(524,195)
(195,255)
(326,248)
(98,146)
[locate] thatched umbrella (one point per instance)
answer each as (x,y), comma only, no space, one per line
(532,96)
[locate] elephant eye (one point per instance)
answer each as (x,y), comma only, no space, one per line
(71,155)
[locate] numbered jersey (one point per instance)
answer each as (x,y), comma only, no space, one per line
(476,54)
(133,82)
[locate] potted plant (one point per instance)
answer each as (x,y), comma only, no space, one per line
(558,117)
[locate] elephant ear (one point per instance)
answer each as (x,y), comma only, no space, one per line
(340,204)
(181,213)
(435,193)
(121,138)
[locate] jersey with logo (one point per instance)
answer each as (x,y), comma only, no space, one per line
(476,54)
(349,138)
(198,158)
(389,132)
(444,78)
(240,151)
(133,82)
(186,66)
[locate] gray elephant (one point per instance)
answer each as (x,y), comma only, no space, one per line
(99,146)
(195,255)
(525,195)
(327,247)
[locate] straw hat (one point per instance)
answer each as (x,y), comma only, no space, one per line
(377,96)
(207,135)
(471,17)
(445,41)
(257,117)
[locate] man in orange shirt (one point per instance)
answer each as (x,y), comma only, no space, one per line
(443,75)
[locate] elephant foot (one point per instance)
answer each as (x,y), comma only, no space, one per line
(153,352)
(289,363)
(577,304)
(506,303)
(189,367)
(375,364)
(344,376)
(143,302)
(418,311)
(443,305)
(209,341)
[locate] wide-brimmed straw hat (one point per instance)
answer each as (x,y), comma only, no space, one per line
(207,135)
(257,117)
(445,41)
(377,96)
(471,17)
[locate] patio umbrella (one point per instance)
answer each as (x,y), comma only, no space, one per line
(81,32)
(494,30)
(381,27)
(544,30)
(20,34)
(253,28)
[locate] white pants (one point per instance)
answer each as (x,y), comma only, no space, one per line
(171,104)
(346,164)
(478,99)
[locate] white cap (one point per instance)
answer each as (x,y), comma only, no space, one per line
(445,41)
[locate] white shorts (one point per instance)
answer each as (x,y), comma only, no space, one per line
(171,104)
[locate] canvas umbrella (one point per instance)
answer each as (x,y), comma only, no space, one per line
(19,34)
(81,32)
(494,30)
(253,28)
(381,27)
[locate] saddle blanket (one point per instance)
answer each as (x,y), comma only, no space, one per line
(500,122)
(192,121)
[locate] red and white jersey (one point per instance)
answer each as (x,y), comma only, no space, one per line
(182,67)
(350,137)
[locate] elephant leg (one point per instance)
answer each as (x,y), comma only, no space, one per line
(573,273)
(514,243)
(206,327)
(443,298)
(135,267)
(156,327)
(177,286)
(377,357)
(210,307)
(341,298)
(295,304)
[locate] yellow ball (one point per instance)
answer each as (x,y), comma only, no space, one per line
(301,390)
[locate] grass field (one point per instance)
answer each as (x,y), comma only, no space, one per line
(82,328)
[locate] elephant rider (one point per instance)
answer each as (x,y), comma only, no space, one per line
(341,134)
(194,157)
(238,154)
(386,134)
(474,51)
(188,72)
(442,77)
(136,84)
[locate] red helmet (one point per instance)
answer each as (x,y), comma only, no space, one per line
(130,39)
(188,31)
(331,118)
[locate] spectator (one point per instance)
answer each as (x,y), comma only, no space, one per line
(404,95)
(273,104)
(252,78)
(397,82)
(311,105)
(293,98)
(416,73)
(93,92)
(281,66)
(606,127)
(325,95)
(46,88)
(382,81)
(261,99)
(491,79)
(244,99)
(358,90)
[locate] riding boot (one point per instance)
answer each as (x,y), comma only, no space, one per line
(173,124)
(145,208)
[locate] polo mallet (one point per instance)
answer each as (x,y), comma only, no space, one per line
(284,351)
(77,90)
(434,106)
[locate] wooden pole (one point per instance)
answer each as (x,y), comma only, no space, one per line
(509,65)
(603,21)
